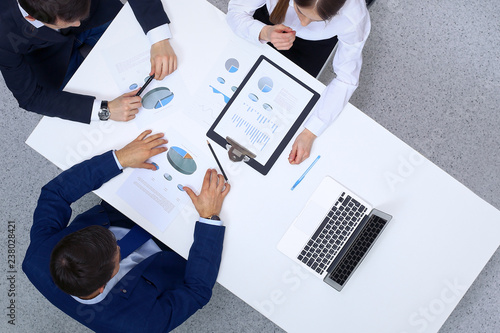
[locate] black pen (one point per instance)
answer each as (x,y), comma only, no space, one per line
(145,85)
(217,160)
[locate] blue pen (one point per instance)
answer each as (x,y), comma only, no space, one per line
(305,173)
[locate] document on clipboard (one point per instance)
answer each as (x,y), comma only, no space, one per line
(263,114)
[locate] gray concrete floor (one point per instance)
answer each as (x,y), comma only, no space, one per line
(431,76)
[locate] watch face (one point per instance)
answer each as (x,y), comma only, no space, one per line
(104,114)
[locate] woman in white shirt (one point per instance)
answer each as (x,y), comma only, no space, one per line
(305,31)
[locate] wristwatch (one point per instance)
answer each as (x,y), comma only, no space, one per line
(104,113)
(213,218)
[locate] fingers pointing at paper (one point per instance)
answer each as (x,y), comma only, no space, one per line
(163,59)
(213,192)
(163,63)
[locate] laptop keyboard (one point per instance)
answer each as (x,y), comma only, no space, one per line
(332,234)
(358,249)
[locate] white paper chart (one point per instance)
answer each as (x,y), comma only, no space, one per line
(264,110)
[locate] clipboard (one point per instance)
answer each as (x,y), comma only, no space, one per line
(263,115)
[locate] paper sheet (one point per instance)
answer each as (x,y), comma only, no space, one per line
(130,65)
(221,83)
(162,98)
(158,195)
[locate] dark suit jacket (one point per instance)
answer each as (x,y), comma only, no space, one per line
(34,61)
(155,296)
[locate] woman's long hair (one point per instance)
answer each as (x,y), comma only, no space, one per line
(326,9)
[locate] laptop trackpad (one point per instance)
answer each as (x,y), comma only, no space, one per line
(309,219)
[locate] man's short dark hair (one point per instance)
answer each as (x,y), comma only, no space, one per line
(48,11)
(84,261)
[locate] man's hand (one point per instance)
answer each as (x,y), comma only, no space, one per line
(136,153)
(281,36)
(213,192)
(125,107)
(301,148)
(163,59)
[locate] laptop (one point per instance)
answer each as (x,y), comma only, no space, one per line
(333,233)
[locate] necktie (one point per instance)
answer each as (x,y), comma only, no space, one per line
(133,240)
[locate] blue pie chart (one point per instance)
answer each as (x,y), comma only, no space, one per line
(157,98)
(265,84)
(232,65)
(181,161)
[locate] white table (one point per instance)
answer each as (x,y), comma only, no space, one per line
(417,271)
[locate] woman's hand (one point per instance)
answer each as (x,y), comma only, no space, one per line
(281,36)
(301,148)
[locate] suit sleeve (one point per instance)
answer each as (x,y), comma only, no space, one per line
(149,13)
(32,96)
(202,268)
(53,210)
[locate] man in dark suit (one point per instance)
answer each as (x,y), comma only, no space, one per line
(125,287)
(41,44)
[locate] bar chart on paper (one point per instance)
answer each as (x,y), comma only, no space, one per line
(254,126)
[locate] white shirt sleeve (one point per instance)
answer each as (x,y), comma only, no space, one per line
(159,33)
(96,107)
(347,66)
(241,21)
(118,164)
(352,27)
(211,222)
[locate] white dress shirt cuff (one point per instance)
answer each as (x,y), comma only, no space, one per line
(118,164)
(96,107)
(331,103)
(316,125)
(211,222)
(255,30)
(159,33)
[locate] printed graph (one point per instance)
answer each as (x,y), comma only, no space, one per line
(157,98)
(252,124)
(232,65)
(265,84)
(181,160)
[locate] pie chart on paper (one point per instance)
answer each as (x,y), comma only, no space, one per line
(157,98)
(232,65)
(265,84)
(181,160)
